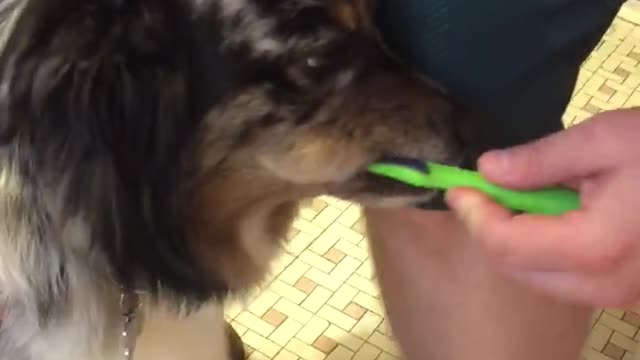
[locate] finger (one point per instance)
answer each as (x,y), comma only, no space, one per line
(509,239)
(553,159)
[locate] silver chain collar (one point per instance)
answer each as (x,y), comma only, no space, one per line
(130,305)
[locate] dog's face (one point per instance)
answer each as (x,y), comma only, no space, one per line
(185,131)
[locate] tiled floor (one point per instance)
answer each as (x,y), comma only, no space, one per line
(321,302)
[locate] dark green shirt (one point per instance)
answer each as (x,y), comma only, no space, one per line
(513,63)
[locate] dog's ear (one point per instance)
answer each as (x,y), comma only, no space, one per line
(355,15)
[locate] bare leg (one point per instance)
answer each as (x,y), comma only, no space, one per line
(200,336)
(445,301)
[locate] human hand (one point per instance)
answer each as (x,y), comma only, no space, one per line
(592,255)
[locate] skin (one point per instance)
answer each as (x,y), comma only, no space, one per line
(481,283)
(590,256)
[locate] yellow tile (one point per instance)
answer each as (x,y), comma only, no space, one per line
(304,351)
(232,309)
(624,342)
(615,313)
(366,270)
(344,338)
(307,213)
(599,337)
(370,303)
(363,284)
(261,344)
(345,268)
(367,352)
(325,242)
(281,263)
(336,317)
(288,291)
(352,249)
(316,299)
(386,356)
(323,279)
(299,243)
(617,324)
(285,332)
(307,227)
(340,353)
(294,272)
(618,100)
(590,354)
(317,261)
(313,329)
(239,328)
(384,343)
(284,354)
(327,216)
(350,216)
(263,302)
(257,355)
(343,296)
(367,325)
(347,233)
(292,310)
(254,323)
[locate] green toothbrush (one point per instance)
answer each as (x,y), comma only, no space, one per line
(549,201)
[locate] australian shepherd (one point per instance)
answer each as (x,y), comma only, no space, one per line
(154,152)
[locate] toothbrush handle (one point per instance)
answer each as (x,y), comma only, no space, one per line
(549,201)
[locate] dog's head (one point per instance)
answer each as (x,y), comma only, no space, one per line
(187,129)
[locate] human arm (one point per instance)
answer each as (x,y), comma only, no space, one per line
(592,255)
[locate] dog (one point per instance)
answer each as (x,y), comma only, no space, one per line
(155,152)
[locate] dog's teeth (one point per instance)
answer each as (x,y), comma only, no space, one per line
(409,162)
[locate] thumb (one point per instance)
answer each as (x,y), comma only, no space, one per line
(579,151)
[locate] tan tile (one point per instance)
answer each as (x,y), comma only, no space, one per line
(325,344)
(355,311)
(613,351)
(334,255)
(632,318)
(305,285)
(274,317)
(624,342)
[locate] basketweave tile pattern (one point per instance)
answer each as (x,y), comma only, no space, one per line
(321,301)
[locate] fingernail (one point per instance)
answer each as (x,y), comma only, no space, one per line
(465,205)
(495,162)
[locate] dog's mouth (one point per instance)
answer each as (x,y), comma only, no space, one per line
(366,185)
